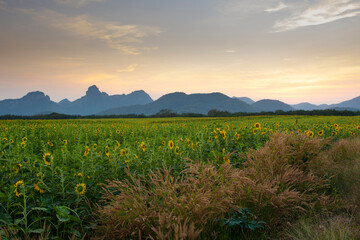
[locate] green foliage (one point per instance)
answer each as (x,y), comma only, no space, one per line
(240,219)
(80,155)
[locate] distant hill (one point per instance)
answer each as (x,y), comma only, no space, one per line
(93,101)
(268,105)
(245,99)
(308,106)
(139,102)
(179,102)
(349,104)
(31,103)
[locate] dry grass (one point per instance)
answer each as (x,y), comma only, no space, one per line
(164,207)
(342,162)
(276,183)
(282,185)
(338,227)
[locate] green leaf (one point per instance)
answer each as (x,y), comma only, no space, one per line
(62,218)
(62,210)
(39,230)
(17,221)
(6,218)
(39,209)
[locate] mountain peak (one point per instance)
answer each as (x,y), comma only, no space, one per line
(93,90)
(37,95)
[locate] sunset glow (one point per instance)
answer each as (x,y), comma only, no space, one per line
(293,51)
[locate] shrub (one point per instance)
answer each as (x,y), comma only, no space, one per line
(275,183)
(280,183)
(338,227)
(342,162)
(166,207)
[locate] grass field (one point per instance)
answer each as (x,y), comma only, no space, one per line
(69,178)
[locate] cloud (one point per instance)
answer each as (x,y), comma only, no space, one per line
(230,51)
(281,6)
(120,37)
(322,12)
(129,68)
(3,5)
(77,3)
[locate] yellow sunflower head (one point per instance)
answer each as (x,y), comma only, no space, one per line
(37,187)
(171,144)
(237,136)
(257,125)
(80,188)
(87,151)
(18,184)
(48,158)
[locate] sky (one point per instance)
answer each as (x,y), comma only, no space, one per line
(290,50)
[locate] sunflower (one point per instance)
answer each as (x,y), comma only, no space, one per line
(107,151)
(215,135)
(171,144)
(94,146)
(177,150)
(48,158)
(320,132)
(309,133)
(24,139)
(223,134)
(80,188)
(143,146)
(87,151)
(122,152)
(65,142)
(336,125)
(257,125)
(118,131)
(334,133)
(254,131)
(117,144)
(4,140)
(37,188)
(358,128)
(16,185)
(237,136)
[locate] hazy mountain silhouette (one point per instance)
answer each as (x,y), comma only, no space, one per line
(350,105)
(268,105)
(31,103)
(308,106)
(179,102)
(245,99)
(93,102)
(139,102)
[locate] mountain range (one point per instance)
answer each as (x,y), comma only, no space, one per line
(95,102)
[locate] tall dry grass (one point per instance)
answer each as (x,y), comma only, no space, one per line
(342,162)
(276,183)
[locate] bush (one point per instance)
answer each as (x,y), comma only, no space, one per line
(338,227)
(275,183)
(342,162)
(280,184)
(164,207)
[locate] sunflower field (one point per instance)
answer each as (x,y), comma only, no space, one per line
(52,172)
